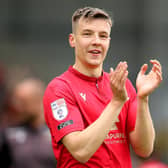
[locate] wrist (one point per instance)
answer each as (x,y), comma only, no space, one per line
(143,98)
(119,102)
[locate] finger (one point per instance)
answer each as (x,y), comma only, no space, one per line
(156,65)
(124,78)
(120,81)
(117,75)
(159,76)
(143,69)
(121,69)
(118,68)
(154,61)
(111,70)
(156,68)
(120,65)
(113,73)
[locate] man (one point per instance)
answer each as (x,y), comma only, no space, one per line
(93,116)
(27,144)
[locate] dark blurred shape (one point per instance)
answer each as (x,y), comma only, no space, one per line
(4,150)
(9,115)
(27,143)
(2,88)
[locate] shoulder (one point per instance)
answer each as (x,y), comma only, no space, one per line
(59,87)
(13,133)
(58,83)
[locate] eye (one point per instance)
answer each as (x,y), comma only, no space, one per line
(87,34)
(104,36)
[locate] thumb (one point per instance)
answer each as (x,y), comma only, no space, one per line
(111,70)
(143,69)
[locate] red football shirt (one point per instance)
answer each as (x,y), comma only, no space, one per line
(73,101)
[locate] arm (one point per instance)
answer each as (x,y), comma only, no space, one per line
(83,144)
(143,136)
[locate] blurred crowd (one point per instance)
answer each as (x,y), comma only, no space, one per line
(24,137)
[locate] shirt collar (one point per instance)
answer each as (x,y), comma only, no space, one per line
(85,77)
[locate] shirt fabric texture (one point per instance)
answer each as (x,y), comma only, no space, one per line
(79,101)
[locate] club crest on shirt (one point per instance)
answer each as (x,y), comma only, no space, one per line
(59,109)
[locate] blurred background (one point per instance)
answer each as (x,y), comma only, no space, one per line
(34,42)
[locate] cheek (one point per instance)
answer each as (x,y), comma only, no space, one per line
(82,43)
(106,47)
(81,47)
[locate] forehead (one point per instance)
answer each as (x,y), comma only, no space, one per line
(94,25)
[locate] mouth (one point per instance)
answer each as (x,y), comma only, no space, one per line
(95,52)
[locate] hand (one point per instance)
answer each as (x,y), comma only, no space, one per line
(147,83)
(117,81)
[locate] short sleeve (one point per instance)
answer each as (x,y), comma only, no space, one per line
(61,111)
(132,107)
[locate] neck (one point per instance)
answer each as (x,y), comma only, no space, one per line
(89,71)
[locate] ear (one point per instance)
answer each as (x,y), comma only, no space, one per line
(72,40)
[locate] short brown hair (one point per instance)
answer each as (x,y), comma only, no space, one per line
(90,13)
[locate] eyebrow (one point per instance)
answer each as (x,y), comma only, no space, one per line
(89,30)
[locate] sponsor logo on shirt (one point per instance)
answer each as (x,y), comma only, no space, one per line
(114,127)
(64,124)
(115,138)
(59,109)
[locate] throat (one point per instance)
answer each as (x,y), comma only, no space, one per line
(89,71)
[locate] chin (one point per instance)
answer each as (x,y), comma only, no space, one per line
(94,65)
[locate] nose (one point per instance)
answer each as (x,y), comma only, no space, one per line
(96,40)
